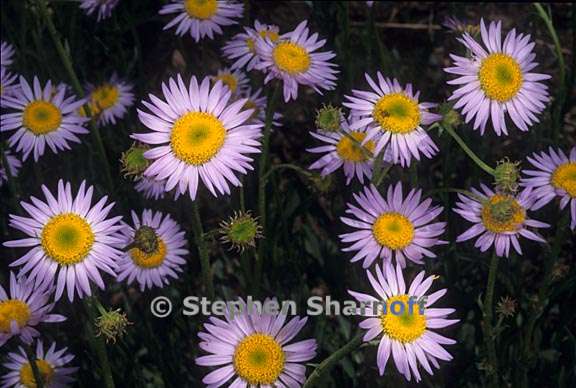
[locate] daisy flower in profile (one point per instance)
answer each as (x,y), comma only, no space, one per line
(23,309)
(344,150)
(14,166)
(555,177)
(110,101)
(406,320)
(52,365)
(294,60)
(242,47)
(395,119)
(201,17)
(254,349)
(157,250)
(235,80)
(8,83)
(496,79)
(42,118)
(257,101)
(198,134)
(71,241)
(394,227)
(101,7)
(6,54)
(150,188)
(499,219)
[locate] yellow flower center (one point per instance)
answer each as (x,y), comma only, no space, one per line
(149,260)
(272,35)
(103,97)
(13,310)
(197,137)
(406,327)
(201,9)
(259,359)
(351,151)
(229,80)
(251,105)
(397,113)
(67,238)
(251,45)
(500,77)
(291,58)
(393,230)
(502,213)
(564,177)
(27,375)
(41,117)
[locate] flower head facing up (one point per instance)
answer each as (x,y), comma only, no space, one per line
(201,18)
(294,60)
(155,250)
(102,8)
(555,176)
(110,100)
(258,102)
(6,54)
(150,188)
(236,81)
(394,118)
(14,165)
(241,231)
(253,348)
(52,365)
(70,240)
(496,79)
(406,331)
(394,227)
(43,117)
(242,47)
(24,309)
(499,219)
(198,134)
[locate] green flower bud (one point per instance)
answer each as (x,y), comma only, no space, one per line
(506,176)
(328,118)
(133,161)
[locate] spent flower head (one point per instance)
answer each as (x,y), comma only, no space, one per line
(133,161)
(506,307)
(506,176)
(111,324)
(240,231)
(328,118)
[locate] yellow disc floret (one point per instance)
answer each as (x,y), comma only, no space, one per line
(197,137)
(27,375)
(351,151)
(406,327)
(500,77)
(67,238)
(291,58)
(259,359)
(201,9)
(229,80)
(149,260)
(13,310)
(41,117)
(564,177)
(393,230)
(397,113)
(502,213)
(103,97)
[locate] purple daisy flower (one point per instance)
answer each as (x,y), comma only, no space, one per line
(257,101)
(499,219)
(198,135)
(254,349)
(102,7)
(44,117)
(110,101)
(242,47)
(394,227)
(25,308)
(235,80)
(159,257)
(496,79)
(8,85)
(201,17)
(406,332)
(52,365)
(150,188)
(6,54)
(394,118)
(555,177)
(71,240)
(14,166)
(341,151)
(293,59)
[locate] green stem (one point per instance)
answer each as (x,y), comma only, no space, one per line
(331,361)
(489,339)
(31,355)
(202,250)
(286,166)
(67,62)
(468,151)
(97,343)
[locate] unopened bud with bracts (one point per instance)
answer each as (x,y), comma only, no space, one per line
(506,176)
(328,118)
(450,117)
(133,161)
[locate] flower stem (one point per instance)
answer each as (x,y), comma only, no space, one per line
(489,339)
(331,361)
(30,354)
(202,250)
(97,343)
(287,166)
(67,62)
(468,151)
